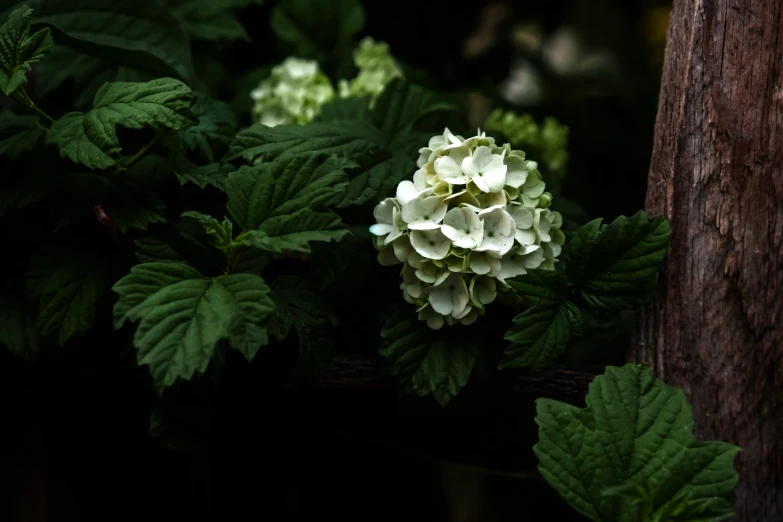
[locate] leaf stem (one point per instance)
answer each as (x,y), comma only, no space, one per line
(22,97)
(142,151)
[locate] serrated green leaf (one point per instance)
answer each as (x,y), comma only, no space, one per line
(141,35)
(425,361)
(153,250)
(222,234)
(18,134)
(68,287)
(183,315)
(294,232)
(17,328)
(316,29)
(398,109)
(91,138)
(378,171)
(217,124)
(617,268)
(540,334)
(635,429)
(19,48)
(282,187)
(640,498)
(137,209)
(214,174)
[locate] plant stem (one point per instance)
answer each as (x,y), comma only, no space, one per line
(22,97)
(142,150)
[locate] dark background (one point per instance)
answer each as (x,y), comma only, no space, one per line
(79,444)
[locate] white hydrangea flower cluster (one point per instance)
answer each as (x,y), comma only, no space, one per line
(294,93)
(474,215)
(377,67)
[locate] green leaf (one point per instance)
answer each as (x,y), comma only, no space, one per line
(217,125)
(68,287)
(294,232)
(378,172)
(297,306)
(342,109)
(214,174)
(426,362)
(681,508)
(151,249)
(91,138)
(17,328)
(182,316)
(398,109)
(635,429)
(142,35)
(317,29)
(138,210)
(18,134)
(283,187)
(222,234)
(540,334)
(211,19)
(617,268)
(19,48)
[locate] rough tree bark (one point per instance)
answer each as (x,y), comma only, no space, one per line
(716,173)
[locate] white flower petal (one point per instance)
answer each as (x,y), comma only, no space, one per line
(431,244)
(380,229)
(402,248)
(450,296)
(449,170)
(498,232)
(420,180)
(386,257)
(463,227)
(483,290)
(407,191)
(384,211)
(494,178)
(525,237)
(424,213)
(523,218)
(482,157)
(433,318)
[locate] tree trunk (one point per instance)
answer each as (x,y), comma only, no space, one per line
(716,174)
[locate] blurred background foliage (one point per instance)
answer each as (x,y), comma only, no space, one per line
(585,72)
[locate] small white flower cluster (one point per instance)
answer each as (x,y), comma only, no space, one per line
(294,93)
(475,214)
(377,67)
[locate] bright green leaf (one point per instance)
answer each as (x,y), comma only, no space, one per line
(217,125)
(222,234)
(18,134)
(19,48)
(182,316)
(91,138)
(426,361)
(68,288)
(317,29)
(635,429)
(280,188)
(142,35)
(616,268)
